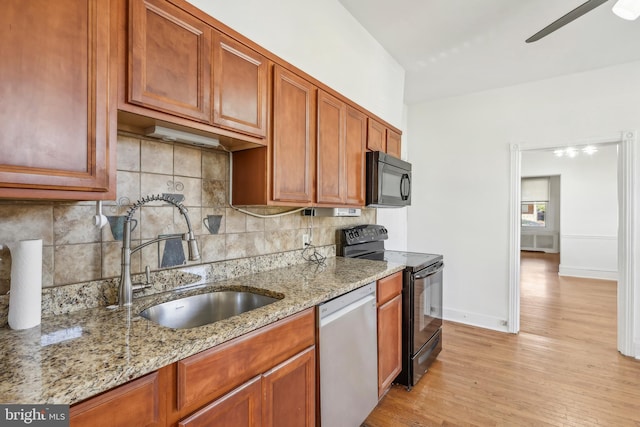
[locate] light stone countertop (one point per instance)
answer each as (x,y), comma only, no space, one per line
(71,357)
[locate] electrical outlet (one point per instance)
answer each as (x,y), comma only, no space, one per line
(306,240)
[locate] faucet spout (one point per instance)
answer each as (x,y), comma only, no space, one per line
(125,294)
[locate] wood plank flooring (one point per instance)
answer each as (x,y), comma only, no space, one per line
(562,369)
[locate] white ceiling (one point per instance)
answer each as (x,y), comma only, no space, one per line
(454,47)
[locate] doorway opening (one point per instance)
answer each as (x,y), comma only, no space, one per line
(623,242)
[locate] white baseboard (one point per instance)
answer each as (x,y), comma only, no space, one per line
(636,348)
(587,273)
(476,319)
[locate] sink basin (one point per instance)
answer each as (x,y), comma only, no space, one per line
(198,310)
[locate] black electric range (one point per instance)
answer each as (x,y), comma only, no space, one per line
(421,296)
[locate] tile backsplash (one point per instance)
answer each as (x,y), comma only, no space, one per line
(75,251)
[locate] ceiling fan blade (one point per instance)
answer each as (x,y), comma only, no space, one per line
(564,20)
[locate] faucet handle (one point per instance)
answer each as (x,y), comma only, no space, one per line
(138,287)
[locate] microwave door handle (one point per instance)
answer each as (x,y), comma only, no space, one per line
(405,194)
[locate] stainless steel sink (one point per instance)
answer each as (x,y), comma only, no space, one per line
(198,310)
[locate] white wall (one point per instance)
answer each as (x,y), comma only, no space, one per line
(324,40)
(461,184)
(589,213)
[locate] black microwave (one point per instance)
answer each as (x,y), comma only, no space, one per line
(388,181)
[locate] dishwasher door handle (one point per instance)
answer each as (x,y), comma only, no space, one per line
(344,310)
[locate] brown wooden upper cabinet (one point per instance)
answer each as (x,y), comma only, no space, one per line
(240,80)
(377,137)
(332,115)
(182,67)
(356,136)
(58,126)
(393,143)
(342,132)
(293,142)
(381,138)
(169,60)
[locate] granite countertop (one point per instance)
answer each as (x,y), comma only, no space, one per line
(71,357)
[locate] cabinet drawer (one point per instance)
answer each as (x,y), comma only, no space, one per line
(389,287)
(212,373)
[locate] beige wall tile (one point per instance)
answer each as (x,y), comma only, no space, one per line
(76,263)
(215,165)
(192,191)
(22,222)
(128,191)
(83,252)
(282,240)
(47,266)
(236,222)
(74,224)
(255,223)
(156,157)
(128,153)
(187,161)
(158,184)
(244,245)
(212,247)
(214,193)
(156,220)
(111,258)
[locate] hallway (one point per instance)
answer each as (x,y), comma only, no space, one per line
(562,369)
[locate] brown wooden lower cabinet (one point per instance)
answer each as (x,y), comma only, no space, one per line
(389,293)
(264,378)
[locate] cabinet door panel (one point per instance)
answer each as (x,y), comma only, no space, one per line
(389,343)
(239,87)
(169,60)
(293,137)
(331,149)
(136,403)
(356,140)
(393,143)
(241,407)
(55,109)
(377,135)
(289,392)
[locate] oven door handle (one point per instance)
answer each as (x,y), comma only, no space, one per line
(430,272)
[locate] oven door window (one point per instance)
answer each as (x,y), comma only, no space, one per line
(427,308)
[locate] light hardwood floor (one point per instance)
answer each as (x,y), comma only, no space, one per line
(562,369)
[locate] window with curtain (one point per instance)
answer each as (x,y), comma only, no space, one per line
(534,201)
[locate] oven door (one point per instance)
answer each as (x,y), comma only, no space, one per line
(427,304)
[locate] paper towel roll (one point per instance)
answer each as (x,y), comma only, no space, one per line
(25,297)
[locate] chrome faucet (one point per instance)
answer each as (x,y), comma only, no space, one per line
(126,287)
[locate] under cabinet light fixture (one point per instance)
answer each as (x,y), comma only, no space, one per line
(174,135)
(627,9)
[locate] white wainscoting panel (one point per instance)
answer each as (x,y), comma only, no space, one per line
(594,257)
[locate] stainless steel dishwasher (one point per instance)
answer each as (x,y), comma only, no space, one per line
(348,358)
